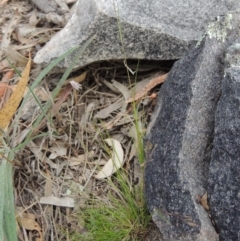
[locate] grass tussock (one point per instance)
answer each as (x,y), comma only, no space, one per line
(122,215)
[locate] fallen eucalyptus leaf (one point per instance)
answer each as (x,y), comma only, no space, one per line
(57,201)
(113,163)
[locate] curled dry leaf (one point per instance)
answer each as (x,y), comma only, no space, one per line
(154,82)
(10,108)
(113,163)
(78,79)
(27,221)
(203,201)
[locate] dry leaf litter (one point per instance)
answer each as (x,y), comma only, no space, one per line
(86,136)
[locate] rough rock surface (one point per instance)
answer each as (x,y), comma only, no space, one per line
(180,137)
(224,181)
(145,29)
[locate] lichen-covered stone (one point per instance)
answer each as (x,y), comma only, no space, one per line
(224,181)
(179,140)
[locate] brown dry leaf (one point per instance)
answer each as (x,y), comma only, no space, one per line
(53,17)
(6,39)
(7,76)
(64,93)
(74,161)
(62,97)
(203,201)
(86,115)
(122,88)
(192,224)
(10,108)
(80,78)
(104,113)
(110,86)
(4,64)
(41,93)
(33,19)
(38,228)
(6,91)
(27,221)
(155,81)
(36,150)
(3,88)
(58,149)
(16,57)
(56,201)
(20,31)
(115,121)
(113,163)
(12,54)
(26,33)
(48,185)
(3,1)
(31,108)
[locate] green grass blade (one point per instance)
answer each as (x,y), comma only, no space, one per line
(2,196)
(13,66)
(9,210)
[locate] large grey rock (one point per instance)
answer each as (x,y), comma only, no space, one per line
(179,138)
(224,175)
(144,29)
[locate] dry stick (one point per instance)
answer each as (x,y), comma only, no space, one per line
(153,82)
